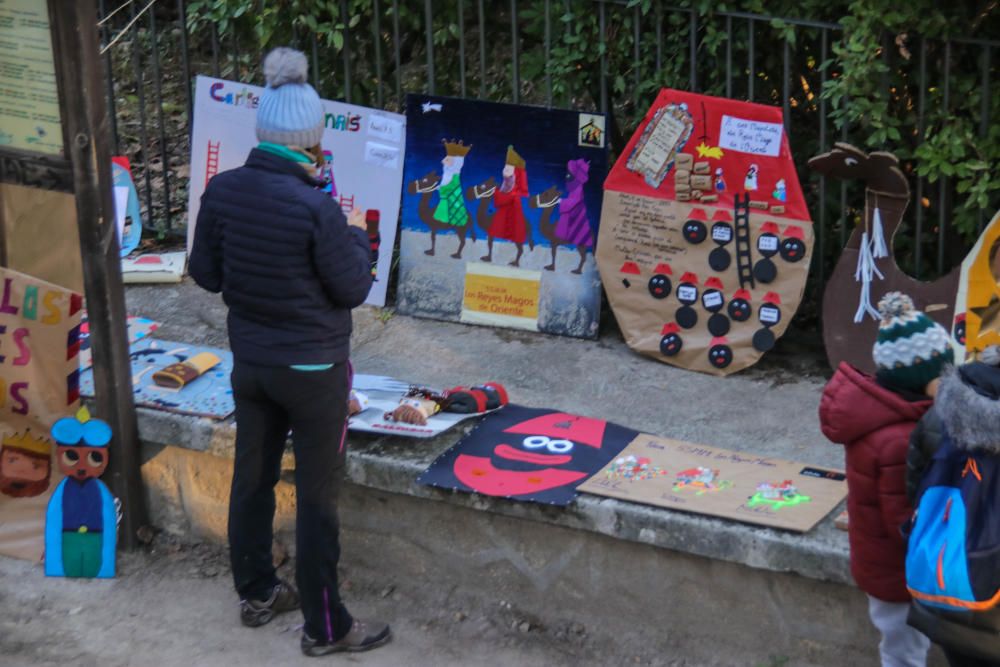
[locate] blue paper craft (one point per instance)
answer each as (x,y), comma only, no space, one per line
(81,520)
(210,395)
(122,178)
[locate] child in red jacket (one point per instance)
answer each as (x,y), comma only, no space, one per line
(873,418)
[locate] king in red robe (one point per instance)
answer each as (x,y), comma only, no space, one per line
(508,221)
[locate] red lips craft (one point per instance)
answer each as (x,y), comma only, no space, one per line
(529,454)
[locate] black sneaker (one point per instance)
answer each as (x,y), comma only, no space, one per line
(255,613)
(364,636)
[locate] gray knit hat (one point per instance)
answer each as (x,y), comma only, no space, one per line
(290,111)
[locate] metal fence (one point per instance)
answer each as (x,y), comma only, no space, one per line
(501,51)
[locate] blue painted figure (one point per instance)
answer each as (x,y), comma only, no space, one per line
(81,521)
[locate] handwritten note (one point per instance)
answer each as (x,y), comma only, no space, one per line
(382,155)
(750,136)
(385,128)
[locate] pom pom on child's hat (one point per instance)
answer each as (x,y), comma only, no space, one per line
(290,111)
(911,349)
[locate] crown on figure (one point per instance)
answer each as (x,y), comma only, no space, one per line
(513,159)
(456,148)
(28,443)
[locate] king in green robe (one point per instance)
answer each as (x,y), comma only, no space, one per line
(451,209)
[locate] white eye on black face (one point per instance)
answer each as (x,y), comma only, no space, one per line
(850,162)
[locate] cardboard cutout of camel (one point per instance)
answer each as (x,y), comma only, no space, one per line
(886,191)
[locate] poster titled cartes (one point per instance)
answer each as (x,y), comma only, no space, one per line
(705,237)
(500,215)
(365,148)
(39,384)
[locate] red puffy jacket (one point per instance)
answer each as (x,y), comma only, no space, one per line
(874,425)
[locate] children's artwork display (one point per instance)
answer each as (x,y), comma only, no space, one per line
(138,328)
(867,268)
(39,384)
(363,148)
(976,324)
(379,401)
(161,267)
(705,238)
(500,215)
(718,482)
(81,522)
(200,385)
(528,454)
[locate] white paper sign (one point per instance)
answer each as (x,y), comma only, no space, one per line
(687,293)
(767,243)
(750,136)
(722,233)
(769,315)
(365,175)
(382,155)
(712,299)
(386,128)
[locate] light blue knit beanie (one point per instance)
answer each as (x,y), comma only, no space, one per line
(290,111)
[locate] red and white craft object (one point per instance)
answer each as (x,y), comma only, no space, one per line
(671,342)
(708,187)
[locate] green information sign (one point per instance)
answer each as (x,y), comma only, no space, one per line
(29,98)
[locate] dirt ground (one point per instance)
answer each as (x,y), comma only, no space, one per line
(173,605)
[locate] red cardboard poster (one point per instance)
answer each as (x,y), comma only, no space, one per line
(705,238)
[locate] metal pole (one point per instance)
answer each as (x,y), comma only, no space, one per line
(85,118)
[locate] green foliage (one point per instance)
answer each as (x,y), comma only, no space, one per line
(867,78)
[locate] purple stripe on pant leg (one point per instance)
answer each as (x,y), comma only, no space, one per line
(326,610)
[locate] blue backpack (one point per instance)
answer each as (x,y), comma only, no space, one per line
(953,552)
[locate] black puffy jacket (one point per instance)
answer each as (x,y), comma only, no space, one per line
(967,407)
(288,265)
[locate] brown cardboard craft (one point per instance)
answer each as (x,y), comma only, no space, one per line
(649,232)
(722,483)
(718,281)
(887,191)
(40,380)
(41,234)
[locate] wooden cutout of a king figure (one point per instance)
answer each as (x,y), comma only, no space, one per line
(81,521)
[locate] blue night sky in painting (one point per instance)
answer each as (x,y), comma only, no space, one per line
(546,138)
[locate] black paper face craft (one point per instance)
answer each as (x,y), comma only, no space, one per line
(764,270)
(695,230)
(722,235)
(687,294)
(714,301)
(671,342)
(739,306)
(659,284)
(769,315)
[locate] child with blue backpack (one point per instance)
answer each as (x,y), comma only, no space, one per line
(873,417)
(953,556)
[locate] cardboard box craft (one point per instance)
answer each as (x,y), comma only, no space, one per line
(761,205)
(703,167)
(701,182)
(684,161)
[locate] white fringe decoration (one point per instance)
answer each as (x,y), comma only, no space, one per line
(865,274)
(879,247)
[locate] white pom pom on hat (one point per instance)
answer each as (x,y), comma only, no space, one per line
(284,65)
(290,111)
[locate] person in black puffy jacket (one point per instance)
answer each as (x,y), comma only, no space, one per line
(967,407)
(290,268)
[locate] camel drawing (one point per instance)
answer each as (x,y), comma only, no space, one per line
(425,187)
(483,194)
(548,200)
(887,190)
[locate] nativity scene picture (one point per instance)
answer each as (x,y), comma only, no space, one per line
(500,212)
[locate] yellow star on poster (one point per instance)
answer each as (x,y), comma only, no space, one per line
(704,150)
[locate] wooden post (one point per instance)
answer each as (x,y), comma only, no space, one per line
(85,121)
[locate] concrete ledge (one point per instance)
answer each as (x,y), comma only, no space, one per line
(392,464)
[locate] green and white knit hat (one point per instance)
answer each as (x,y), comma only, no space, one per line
(911,349)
